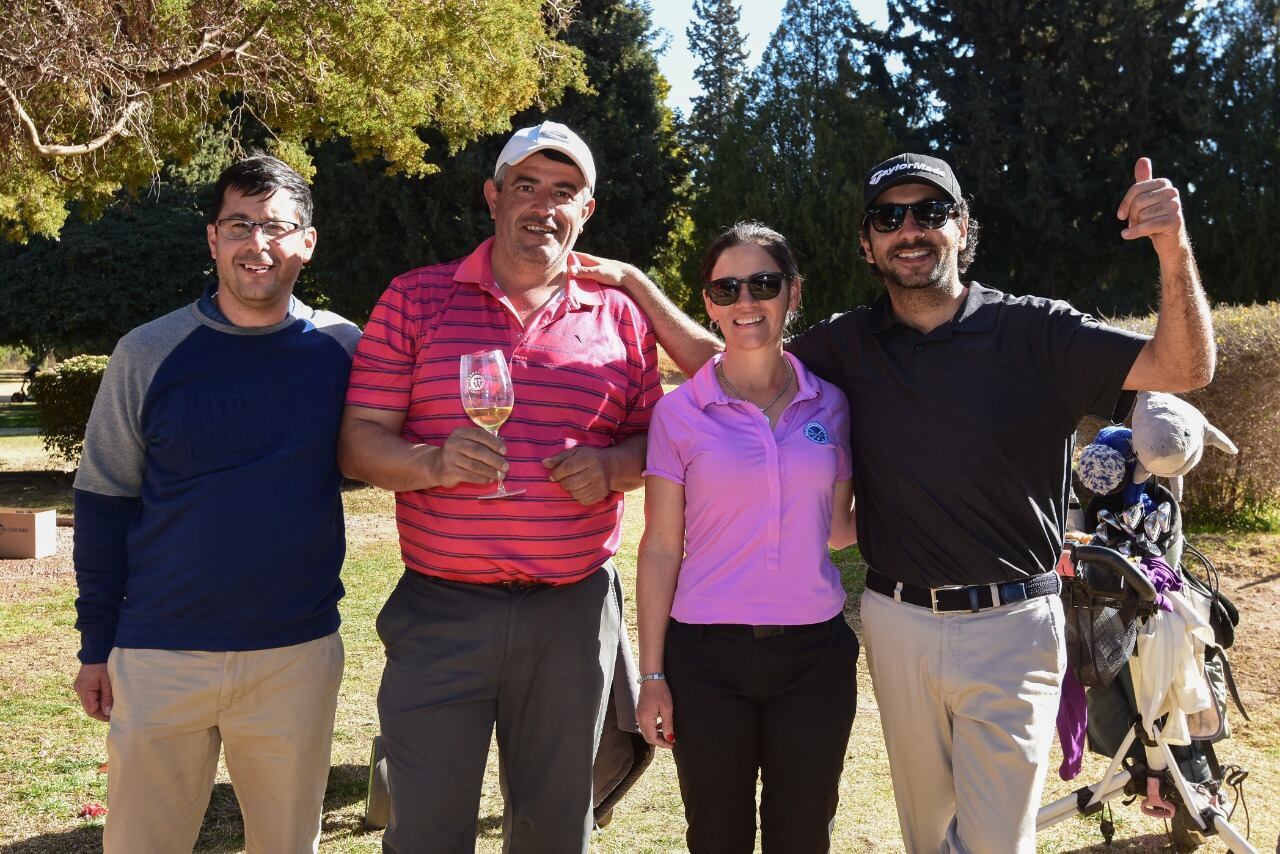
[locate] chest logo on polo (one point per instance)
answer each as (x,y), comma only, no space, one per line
(816,433)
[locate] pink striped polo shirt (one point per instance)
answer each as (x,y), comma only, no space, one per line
(757,501)
(586,375)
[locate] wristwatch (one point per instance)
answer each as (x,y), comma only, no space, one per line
(652,677)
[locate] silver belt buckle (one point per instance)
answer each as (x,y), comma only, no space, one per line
(933,594)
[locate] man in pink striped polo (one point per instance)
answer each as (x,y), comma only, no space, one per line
(509,610)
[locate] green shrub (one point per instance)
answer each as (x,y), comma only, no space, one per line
(65,395)
(14,358)
(1244,402)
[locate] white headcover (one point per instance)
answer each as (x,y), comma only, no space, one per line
(1169,438)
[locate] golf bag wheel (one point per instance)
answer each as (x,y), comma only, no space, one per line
(17,397)
(1186,833)
(377,802)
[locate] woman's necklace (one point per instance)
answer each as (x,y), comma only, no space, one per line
(791,374)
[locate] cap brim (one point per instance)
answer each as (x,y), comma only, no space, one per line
(566,151)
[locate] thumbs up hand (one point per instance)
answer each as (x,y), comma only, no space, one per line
(1153,209)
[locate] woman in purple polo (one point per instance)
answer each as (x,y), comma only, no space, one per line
(748,664)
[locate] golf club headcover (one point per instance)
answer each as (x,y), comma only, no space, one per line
(1107,462)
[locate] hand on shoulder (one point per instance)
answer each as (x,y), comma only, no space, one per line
(606,271)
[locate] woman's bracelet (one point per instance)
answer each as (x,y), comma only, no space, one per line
(652,677)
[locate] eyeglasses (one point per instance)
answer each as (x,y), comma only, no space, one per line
(930,214)
(762,286)
(242,229)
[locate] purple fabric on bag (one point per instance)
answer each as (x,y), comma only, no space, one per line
(1073,711)
(1073,718)
(1162,578)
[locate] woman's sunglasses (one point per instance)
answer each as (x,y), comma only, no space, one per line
(931,214)
(762,286)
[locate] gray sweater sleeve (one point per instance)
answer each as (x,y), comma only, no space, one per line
(109,481)
(334,325)
(113,446)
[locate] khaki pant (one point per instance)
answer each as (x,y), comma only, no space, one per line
(272,709)
(967,703)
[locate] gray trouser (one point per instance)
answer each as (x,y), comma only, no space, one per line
(967,703)
(462,657)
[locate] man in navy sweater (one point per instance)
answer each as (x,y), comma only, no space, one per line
(209,538)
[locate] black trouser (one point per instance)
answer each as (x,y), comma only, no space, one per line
(781,706)
(462,658)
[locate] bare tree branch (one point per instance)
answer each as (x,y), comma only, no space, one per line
(151,81)
(59,11)
(155,80)
(33,134)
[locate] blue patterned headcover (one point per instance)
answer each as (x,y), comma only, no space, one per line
(1105,465)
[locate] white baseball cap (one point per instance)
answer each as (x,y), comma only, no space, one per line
(553,136)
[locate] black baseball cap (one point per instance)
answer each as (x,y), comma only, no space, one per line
(910,169)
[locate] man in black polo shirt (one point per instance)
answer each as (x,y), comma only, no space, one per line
(964,401)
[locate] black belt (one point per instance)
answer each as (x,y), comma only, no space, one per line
(974,597)
(506,584)
(517,584)
(744,631)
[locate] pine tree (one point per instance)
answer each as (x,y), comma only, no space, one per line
(793,154)
(1237,198)
(715,39)
(1042,110)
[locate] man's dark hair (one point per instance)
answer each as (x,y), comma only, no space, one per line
(963,260)
(263,175)
(757,234)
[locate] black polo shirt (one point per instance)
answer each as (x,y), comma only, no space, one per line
(962,438)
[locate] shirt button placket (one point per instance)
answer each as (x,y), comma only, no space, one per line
(773,466)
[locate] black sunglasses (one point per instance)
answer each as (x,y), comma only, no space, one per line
(762,286)
(930,214)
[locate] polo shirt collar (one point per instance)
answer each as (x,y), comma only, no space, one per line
(976,314)
(880,315)
(477,269)
(706,389)
(580,293)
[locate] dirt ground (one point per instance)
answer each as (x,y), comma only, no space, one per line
(1249,568)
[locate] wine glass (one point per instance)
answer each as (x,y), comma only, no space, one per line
(487,398)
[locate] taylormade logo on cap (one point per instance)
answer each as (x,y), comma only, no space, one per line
(876,177)
(908,168)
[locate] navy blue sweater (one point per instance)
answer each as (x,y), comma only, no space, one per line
(207,503)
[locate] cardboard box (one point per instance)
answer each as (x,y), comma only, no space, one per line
(28,533)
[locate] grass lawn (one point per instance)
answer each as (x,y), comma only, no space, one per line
(30,477)
(50,752)
(18,415)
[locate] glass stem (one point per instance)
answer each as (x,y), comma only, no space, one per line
(502,489)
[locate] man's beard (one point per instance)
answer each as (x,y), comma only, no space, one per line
(938,278)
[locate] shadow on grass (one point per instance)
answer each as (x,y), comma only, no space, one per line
(37,489)
(1144,844)
(223,829)
(18,414)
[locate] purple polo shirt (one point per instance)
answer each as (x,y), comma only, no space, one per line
(757,501)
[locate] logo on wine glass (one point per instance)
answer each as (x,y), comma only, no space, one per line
(475,383)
